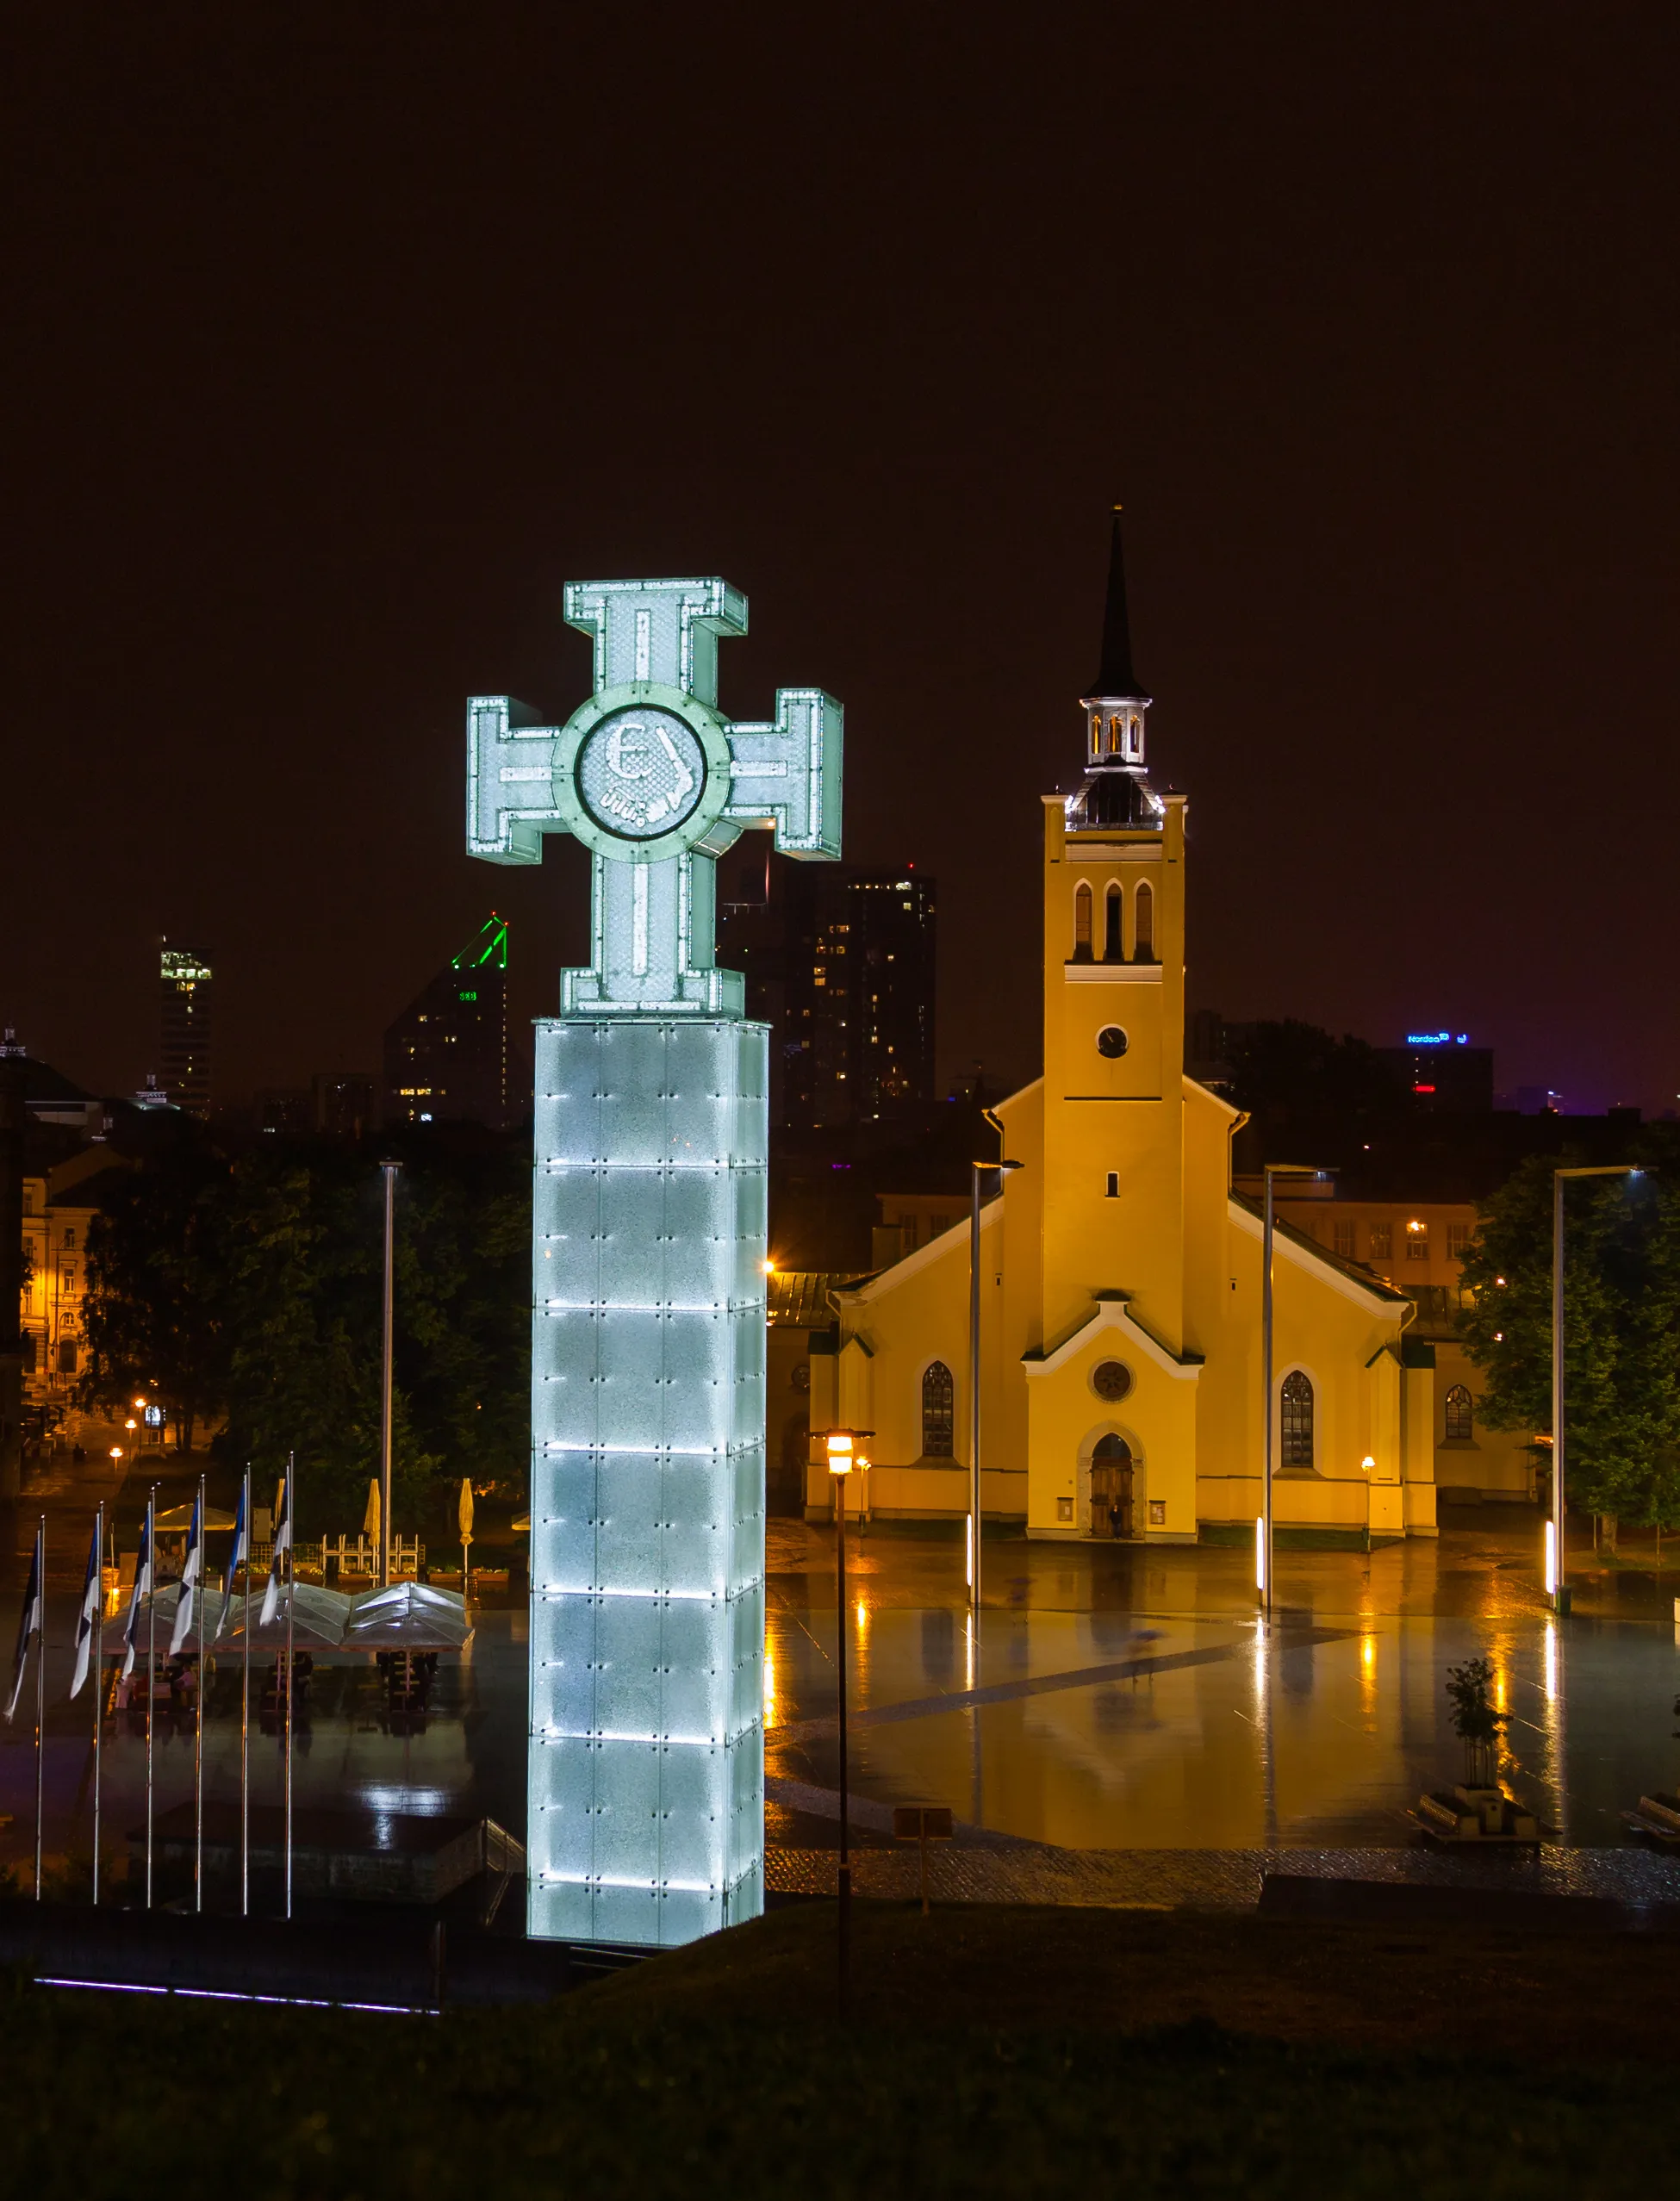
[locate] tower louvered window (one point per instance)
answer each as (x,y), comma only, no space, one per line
(1082,924)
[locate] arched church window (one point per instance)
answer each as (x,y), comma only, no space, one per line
(1113,910)
(1096,733)
(1144,949)
(1081,924)
(1114,725)
(1460,1415)
(1296,1407)
(938,1411)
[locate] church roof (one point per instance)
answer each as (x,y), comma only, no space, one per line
(1114,676)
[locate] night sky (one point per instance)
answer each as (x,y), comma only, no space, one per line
(338,338)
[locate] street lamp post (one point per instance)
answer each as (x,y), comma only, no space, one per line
(390,1169)
(1263,1526)
(973,1554)
(843,1457)
(1557,1583)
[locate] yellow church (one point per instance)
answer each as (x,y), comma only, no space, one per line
(1121,1351)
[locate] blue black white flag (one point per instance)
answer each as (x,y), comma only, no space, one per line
(142,1588)
(236,1557)
(28,1621)
(283,1543)
(191,1568)
(93,1592)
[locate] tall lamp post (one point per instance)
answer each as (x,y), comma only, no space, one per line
(390,1169)
(843,1457)
(978,1170)
(1557,1583)
(1272,1170)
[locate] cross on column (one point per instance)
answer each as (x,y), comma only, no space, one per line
(657,783)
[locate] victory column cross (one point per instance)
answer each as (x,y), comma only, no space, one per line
(656,784)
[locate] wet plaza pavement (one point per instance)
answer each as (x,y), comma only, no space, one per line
(1114,1710)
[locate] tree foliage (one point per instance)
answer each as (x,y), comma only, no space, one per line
(154,1309)
(254,1288)
(1621,1330)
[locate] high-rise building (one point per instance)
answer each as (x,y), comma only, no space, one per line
(343,1102)
(839,962)
(446,1055)
(184,1054)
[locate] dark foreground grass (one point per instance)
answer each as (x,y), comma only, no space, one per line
(1014,2053)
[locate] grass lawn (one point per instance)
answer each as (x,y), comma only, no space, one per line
(989,2051)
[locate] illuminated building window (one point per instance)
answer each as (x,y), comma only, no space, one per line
(1082,924)
(938,1411)
(1417,1241)
(1344,1238)
(1144,949)
(1096,733)
(1296,1404)
(1460,1415)
(1382,1241)
(1114,908)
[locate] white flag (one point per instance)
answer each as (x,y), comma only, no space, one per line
(93,1593)
(192,1566)
(283,1543)
(28,1622)
(142,1588)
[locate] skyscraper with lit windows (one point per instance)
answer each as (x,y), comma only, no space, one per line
(187,981)
(445,1057)
(839,962)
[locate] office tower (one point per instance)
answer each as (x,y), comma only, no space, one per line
(184,1055)
(839,962)
(446,1055)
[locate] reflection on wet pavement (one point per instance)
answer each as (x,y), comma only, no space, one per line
(1110,1701)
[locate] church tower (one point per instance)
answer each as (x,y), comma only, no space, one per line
(1113,1218)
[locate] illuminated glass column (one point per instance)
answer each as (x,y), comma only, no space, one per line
(647,1517)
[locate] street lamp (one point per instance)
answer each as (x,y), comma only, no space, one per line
(973,1554)
(1263,1525)
(1557,1584)
(843,1457)
(390,1169)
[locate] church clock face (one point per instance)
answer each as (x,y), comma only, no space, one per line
(641,773)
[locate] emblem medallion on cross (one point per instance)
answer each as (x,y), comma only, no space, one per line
(657,783)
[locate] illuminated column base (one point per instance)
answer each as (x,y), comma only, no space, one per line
(646,1768)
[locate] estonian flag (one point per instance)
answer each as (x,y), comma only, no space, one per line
(142,1588)
(93,1591)
(236,1560)
(191,1568)
(29,1623)
(283,1543)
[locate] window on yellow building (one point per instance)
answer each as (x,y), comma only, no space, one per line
(1417,1241)
(1296,1405)
(1345,1241)
(1143,949)
(1114,906)
(938,1411)
(1382,1241)
(1460,1415)
(1081,924)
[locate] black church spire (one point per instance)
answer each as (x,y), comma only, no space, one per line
(1116,680)
(1116,792)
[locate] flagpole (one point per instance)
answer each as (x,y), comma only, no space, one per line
(291,1677)
(245,1722)
(198,1736)
(151,1666)
(99,1686)
(41,1691)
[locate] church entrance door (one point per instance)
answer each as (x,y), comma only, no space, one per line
(1111,1488)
